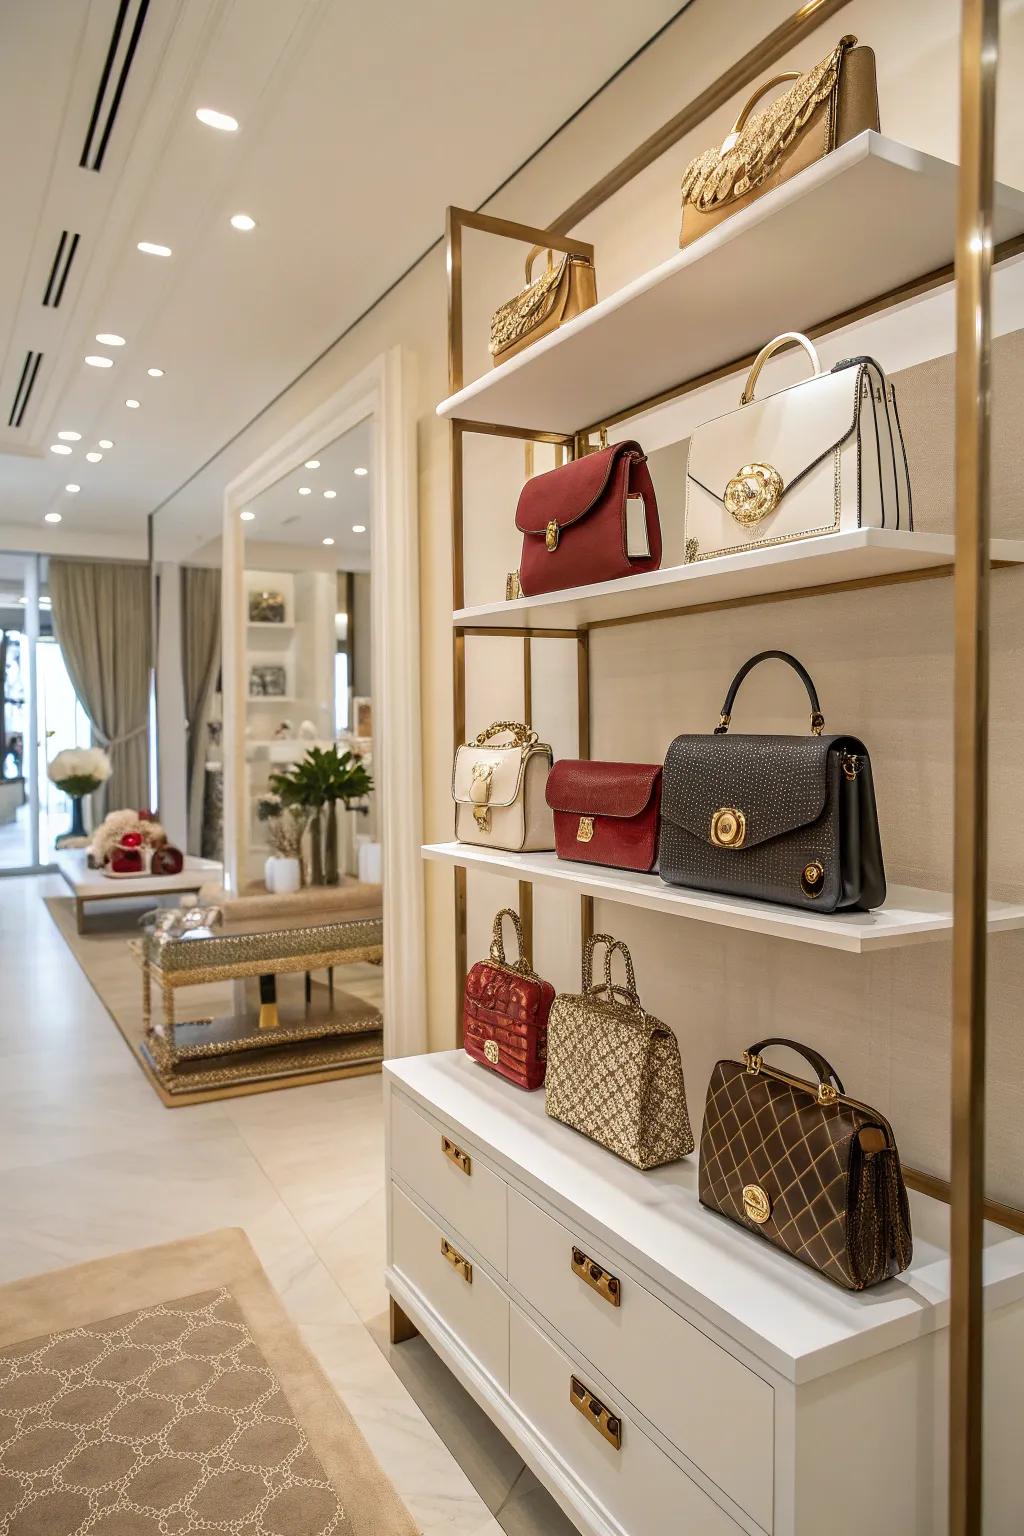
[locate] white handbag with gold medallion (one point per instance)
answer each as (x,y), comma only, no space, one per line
(498,789)
(822,456)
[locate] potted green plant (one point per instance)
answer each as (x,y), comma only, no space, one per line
(321,781)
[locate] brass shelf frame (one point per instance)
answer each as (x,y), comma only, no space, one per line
(972,273)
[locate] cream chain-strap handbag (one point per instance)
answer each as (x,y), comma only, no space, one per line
(498,790)
(823,456)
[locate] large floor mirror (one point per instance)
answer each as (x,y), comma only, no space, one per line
(287,645)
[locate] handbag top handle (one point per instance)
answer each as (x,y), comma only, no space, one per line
(829,1082)
(521,963)
(628,992)
(752,101)
(521,734)
(817,718)
(796,338)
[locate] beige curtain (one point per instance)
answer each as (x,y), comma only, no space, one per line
(200,664)
(101,618)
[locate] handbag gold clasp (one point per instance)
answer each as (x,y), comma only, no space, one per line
(753,492)
(585,830)
(728,827)
(480,794)
(756,1205)
(551,537)
(492,1052)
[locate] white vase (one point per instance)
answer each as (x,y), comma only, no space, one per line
(282,876)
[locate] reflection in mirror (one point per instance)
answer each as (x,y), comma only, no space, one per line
(308,669)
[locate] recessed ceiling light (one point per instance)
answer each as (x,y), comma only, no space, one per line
(109,339)
(242,221)
(106,442)
(328,541)
(70,437)
(360,471)
(132,405)
(148,248)
(312,463)
(358,527)
(330,495)
(52,517)
(155,373)
(94,458)
(247,517)
(214,119)
(59,448)
(305,490)
(72,489)
(100,362)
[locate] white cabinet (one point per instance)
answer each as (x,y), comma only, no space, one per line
(743,1391)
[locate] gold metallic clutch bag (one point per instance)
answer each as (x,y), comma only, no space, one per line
(564,290)
(614,1071)
(828,105)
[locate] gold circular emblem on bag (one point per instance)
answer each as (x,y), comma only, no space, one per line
(813,878)
(756,1204)
(728,827)
(491,1051)
(752,493)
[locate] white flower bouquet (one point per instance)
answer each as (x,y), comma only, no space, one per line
(285,825)
(110,832)
(79,771)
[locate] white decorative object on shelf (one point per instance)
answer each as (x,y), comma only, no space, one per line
(862,554)
(746,1392)
(282,876)
(882,214)
(909,916)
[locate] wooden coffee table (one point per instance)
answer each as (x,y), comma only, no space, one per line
(93,885)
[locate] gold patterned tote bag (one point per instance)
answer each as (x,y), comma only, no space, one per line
(614,1071)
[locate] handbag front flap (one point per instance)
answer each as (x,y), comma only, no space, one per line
(530,307)
(500,769)
(566,494)
(787,433)
(738,791)
(602,789)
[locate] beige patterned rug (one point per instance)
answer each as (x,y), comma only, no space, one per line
(196,1408)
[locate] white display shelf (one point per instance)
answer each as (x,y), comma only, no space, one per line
(909,916)
(282,629)
(876,214)
(863,554)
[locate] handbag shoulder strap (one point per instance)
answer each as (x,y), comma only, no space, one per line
(521,963)
(817,718)
(824,1071)
(521,734)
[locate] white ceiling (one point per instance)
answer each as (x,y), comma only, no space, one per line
(358,126)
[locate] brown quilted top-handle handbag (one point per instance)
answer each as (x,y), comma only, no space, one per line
(805,1167)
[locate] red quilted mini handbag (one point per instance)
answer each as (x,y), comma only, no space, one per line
(593,519)
(606,813)
(505,1012)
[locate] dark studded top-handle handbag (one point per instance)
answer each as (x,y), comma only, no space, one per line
(808,1169)
(790,819)
(505,1011)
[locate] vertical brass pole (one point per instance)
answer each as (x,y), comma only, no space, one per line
(583,749)
(526,886)
(979,52)
(455,447)
(453,264)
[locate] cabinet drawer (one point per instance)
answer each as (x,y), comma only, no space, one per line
(641,1489)
(705,1401)
(468,1196)
(470,1304)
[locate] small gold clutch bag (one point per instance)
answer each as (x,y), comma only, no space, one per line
(829,104)
(564,290)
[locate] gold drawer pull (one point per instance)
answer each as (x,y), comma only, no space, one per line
(457,1262)
(598,1279)
(607,1424)
(456,1155)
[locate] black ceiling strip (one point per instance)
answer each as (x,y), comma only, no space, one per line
(67,269)
(29,388)
(21,385)
(97,105)
(122,81)
(56,264)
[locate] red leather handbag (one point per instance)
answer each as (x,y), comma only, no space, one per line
(606,813)
(505,1012)
(593,519)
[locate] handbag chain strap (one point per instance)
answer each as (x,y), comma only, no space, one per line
(817,718)
(628,993)
(522,735)
(521,963)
